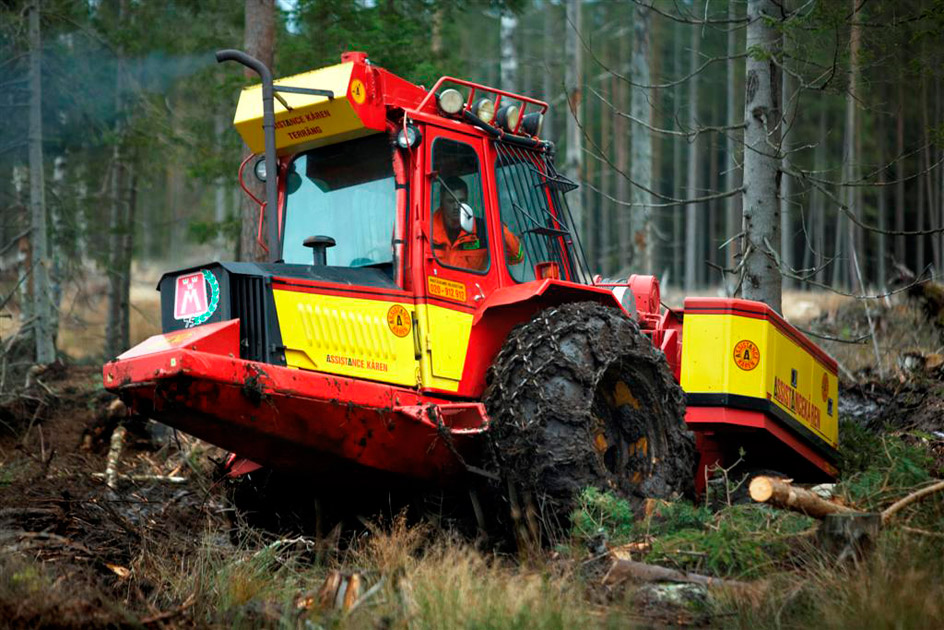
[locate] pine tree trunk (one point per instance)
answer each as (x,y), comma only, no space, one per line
(624,193)
(788,102)
(114,319)
(850,159)
(641,161)
(656,215)
(900,174)
(678,191)
(927,181)
(692,209)
(219,193)
(55,240)
(573,84)
(818,201)
(880,270)
(761,213)
(732,177)
(124,253)
(260,43)
(606,206)
(42,308)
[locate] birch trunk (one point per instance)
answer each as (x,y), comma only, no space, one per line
(550,60)
(260,43)
(692,209)
(641,160)
(732,177)
(761,212)
(42,310)
(573,84)
(509,55)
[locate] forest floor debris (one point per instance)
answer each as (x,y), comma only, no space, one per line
(74,552)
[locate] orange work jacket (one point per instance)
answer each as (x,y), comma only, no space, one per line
(468,250)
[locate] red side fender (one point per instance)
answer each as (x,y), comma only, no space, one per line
(544,293)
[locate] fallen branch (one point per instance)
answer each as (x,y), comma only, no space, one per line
(911,498)
(922,532)
(114,453)
(165,478)
(782,494)
(622,570)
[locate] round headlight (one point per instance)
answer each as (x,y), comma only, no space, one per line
(485,110)
(532,124)
(260,169)
(451,101)
(408,137)
(507,117)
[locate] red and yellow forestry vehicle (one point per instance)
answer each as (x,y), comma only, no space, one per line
(428,311)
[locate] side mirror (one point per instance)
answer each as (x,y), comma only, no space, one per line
(466,218)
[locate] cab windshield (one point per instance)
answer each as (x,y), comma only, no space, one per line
(345,191)
(532,204)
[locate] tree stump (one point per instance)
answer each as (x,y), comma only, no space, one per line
(849,536)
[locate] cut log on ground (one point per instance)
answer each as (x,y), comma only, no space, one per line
(782,494)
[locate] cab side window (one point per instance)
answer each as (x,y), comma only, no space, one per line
(459,234)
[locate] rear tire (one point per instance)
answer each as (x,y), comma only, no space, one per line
(579,397)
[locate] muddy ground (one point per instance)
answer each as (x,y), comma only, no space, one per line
(57,513)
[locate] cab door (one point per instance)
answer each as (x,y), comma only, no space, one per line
(459,263)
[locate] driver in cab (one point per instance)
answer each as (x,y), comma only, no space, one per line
(459,239)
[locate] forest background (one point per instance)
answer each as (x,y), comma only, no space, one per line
(138,160)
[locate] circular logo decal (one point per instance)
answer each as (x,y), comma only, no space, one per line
(825,387)
(399,320)
(746,355)
(358,92)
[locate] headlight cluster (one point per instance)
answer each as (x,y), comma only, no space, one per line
(451,102)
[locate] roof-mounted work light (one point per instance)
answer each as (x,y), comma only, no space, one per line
(507,117)
(485,110)
(451,101)
(532,124)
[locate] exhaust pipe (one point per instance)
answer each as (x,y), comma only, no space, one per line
(268,130)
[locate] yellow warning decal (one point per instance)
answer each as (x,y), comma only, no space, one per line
(746,355)
(358,93)
(446,288)
(399,321)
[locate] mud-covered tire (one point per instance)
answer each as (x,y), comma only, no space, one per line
(579,397)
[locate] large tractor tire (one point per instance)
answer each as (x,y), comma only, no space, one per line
(579,397)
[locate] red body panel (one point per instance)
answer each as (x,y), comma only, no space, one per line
(720,430)
(295,419)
